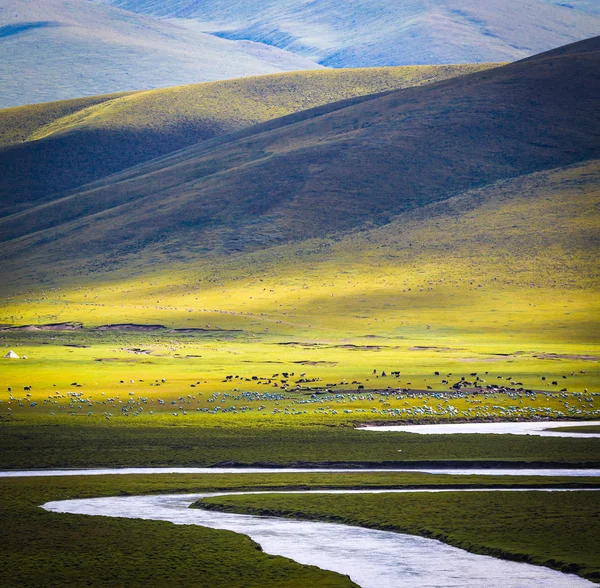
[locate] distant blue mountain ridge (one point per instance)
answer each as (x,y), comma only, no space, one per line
(357,33)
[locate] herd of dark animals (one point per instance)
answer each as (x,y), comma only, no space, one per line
(461,389)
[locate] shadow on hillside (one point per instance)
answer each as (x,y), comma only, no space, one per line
(22,27)
(33,172)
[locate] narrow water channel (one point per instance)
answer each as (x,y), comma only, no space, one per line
(373,559)
(570,472)
(538,428)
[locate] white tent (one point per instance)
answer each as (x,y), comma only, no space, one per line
(11,355)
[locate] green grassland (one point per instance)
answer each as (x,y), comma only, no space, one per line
(31,441)
(500,282)
(53,549)
(496,284)
(587,429)
(96,136)
(558,530)
(224,106)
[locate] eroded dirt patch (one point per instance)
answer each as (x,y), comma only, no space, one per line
(47,327)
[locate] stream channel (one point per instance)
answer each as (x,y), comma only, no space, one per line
(373,559)
(538,428)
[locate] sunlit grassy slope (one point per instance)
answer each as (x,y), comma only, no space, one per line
(500,281)
(334,168)
(386,233)
(22,123)
(95,136)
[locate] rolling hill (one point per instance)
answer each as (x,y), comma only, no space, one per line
(379,32)
(332,169)
(94,137)
(474,278)
(65,49)
(450,227)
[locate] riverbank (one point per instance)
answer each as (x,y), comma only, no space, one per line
(60,550)
(46,443)
(557,530)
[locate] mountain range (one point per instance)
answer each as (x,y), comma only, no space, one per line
(362,33)
(59,49)
(339,168)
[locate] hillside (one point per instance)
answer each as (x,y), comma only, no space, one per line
(330,169)
(65,49)
(96,136)
(510,266)
(589,6)
(380,32)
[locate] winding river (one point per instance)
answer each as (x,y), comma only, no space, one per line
(373,559)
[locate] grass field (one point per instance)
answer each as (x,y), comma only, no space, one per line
(194,440)
(67,550)
(500,282)
(575,429)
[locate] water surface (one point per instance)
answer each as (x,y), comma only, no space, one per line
(540,428)
(373,559)
(570,472)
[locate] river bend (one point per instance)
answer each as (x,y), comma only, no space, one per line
(373,559)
